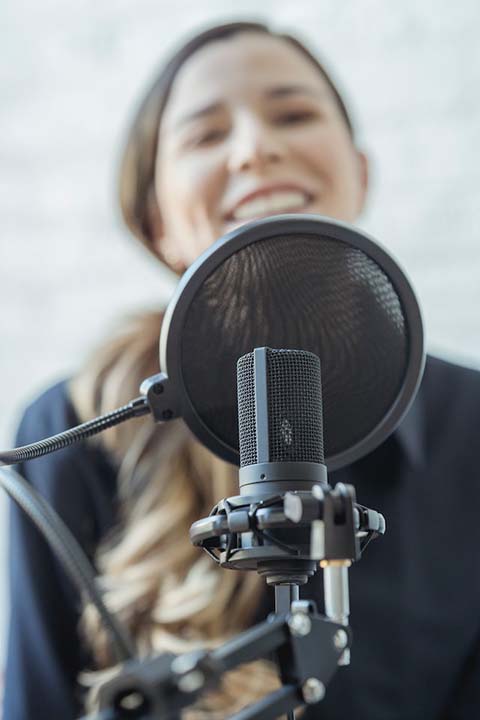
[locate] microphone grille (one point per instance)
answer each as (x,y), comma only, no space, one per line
(293,406)
(246,410)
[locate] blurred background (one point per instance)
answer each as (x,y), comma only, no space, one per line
(69,80)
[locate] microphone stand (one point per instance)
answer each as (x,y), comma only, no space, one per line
(307,647)
(162,687)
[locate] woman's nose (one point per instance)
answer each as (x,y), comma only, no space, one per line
(254,147)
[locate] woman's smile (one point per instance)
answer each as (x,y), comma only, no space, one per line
(264,201)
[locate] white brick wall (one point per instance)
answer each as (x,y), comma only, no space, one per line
(411,70)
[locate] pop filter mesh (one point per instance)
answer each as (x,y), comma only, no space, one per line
(300,292)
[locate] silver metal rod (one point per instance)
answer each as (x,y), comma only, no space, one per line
(337,599)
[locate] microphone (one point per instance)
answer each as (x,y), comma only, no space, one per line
(281,446)
(280,421)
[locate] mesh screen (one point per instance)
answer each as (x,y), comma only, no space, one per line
(246,411)
(294,406)
(301,292)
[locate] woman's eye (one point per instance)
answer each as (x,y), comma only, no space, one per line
(296,117)
(209,137)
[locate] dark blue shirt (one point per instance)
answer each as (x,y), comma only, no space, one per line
(415,594)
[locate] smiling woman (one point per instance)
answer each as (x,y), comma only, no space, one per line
(207,151)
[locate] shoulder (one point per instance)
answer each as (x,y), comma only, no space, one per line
(447,380)
(50,413)
(450,396)
(79,481)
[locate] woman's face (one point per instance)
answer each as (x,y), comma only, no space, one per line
(251,129)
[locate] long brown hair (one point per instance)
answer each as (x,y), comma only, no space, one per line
(170,595)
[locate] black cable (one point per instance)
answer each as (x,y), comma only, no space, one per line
(135,408)
(69,552)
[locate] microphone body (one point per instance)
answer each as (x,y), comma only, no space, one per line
(281,448)
(280,421)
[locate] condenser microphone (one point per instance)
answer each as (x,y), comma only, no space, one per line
(281,444)
(280,421)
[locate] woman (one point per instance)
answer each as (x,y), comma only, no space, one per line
(207,151)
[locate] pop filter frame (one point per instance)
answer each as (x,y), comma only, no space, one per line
(287,225)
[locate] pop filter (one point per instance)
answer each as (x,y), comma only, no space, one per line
(296,282)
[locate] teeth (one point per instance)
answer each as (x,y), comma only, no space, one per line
(275,202)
